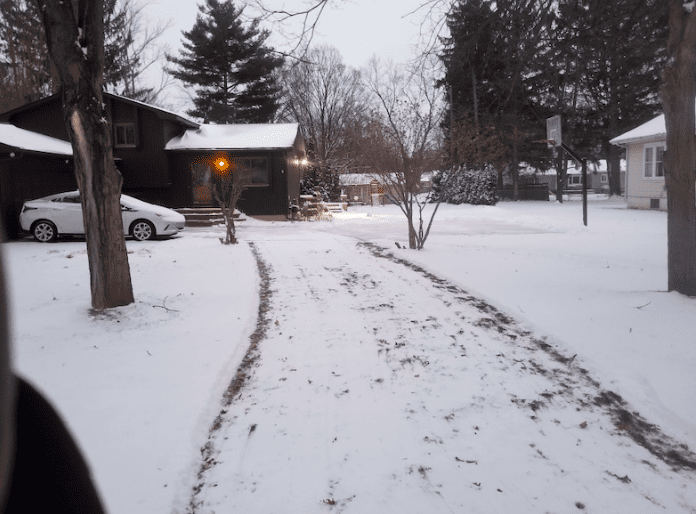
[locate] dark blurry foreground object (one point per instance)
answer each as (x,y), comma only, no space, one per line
(41,468)
(49,475)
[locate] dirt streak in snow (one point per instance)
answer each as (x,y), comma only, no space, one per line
(209,450)
(386,389)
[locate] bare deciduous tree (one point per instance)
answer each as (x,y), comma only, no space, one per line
(233,180)
(309,15)
(137,40)
(678,96)
(325,97)
(400,143)
(75,37)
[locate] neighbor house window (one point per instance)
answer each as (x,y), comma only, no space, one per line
(574,180)
(125,135)
(653,160)
(603,178)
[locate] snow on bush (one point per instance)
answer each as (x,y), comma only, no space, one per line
(475,187)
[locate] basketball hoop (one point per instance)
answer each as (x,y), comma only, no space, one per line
(554,131)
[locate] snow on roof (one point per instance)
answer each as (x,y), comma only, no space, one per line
(359,179)
(33,141)
(356,179)
(655,127)
(599,167)
(236,137)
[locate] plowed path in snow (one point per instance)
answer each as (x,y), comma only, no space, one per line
(378,388)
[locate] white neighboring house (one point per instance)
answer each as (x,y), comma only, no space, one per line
(645,178)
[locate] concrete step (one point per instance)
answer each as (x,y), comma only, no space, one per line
(335,206)
(205,216)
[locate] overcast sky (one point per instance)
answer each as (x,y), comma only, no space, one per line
(359,29)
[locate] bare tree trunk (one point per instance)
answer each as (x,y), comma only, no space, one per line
(613,170)
(613,152)
(412,230)
(678,94)
(80,68)
(515,163)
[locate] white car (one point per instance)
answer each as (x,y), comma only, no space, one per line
(47,218)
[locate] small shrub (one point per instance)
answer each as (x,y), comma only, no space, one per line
(475,187)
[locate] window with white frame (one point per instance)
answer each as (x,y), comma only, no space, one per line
(603,178)
(653,160)
(574,180)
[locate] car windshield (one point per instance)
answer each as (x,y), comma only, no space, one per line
(133,203)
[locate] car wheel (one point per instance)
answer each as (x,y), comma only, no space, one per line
(143,230)
(44,231)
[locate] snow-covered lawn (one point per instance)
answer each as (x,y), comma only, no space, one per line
(478,375)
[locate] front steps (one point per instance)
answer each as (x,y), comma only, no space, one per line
(205,216)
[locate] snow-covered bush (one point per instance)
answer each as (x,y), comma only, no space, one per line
(475,187)
(323,180)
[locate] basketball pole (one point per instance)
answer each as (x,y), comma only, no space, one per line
(554,138)
(584,179)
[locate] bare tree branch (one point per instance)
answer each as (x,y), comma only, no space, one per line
(309,17)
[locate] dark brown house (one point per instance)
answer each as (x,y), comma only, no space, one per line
(162,156)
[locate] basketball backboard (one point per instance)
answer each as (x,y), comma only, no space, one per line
(554,131)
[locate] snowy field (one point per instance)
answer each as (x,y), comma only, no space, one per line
(520,363)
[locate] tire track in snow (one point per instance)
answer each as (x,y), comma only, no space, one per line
(382,388)
(209,450)
(645,434)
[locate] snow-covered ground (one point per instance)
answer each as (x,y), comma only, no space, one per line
(477,375)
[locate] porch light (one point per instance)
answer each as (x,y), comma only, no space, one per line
(301,161)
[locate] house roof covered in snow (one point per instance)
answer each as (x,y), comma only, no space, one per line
(15,137)
(650,129)
(359,179)
(593,167)
(237,137)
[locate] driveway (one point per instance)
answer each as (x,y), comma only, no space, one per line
(374,386)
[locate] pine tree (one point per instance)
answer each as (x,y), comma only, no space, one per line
(25,69)
(619,49)
(488,59)
(229,66)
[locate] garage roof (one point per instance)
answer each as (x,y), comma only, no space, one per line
(26,140)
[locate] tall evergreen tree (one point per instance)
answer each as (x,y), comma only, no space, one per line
(489,76)
(25,69)
(229,66)
(618,50)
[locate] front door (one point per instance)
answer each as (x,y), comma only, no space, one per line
(202,183)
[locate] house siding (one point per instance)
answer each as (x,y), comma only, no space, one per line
(145,166)
(641,190)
